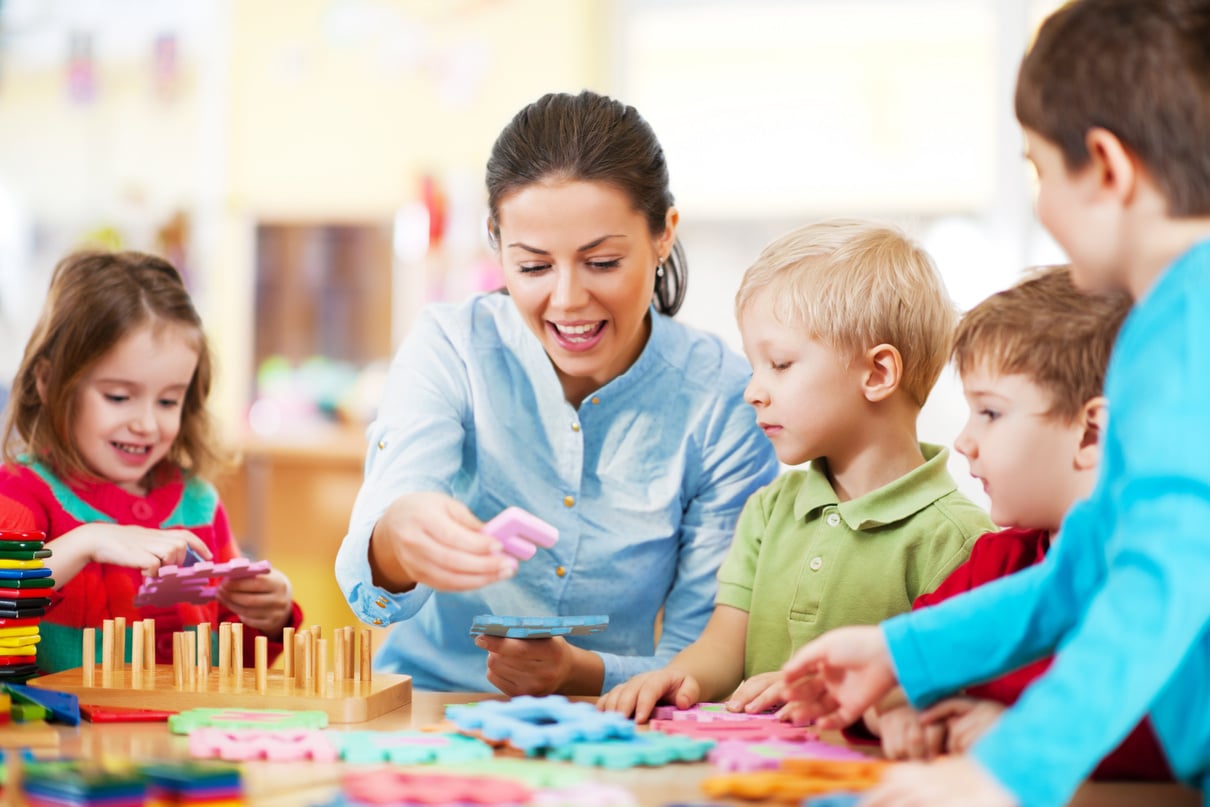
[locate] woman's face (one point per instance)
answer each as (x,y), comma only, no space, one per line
(580,263)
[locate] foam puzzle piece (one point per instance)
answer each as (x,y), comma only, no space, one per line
(834,800)
(123,714)
(264,719)
(407,747)
(194,584)
(273,745)
(186,778)
(521,533)
(798,779)
(390,786)
(589,794)
(535,724)
(648,748)
(537,627)
(25,574)
(537,774)
(79,782)
(738,756)
(23,535)
(63,706)
(753,730)
(708,713)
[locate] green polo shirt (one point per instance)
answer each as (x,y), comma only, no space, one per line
(804,562)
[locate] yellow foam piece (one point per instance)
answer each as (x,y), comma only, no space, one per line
(5,563)
(18,641)
(26,630)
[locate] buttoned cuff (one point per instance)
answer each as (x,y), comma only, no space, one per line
(373,604)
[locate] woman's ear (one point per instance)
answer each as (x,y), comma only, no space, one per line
(664,243)
(882,373)
(1092,421)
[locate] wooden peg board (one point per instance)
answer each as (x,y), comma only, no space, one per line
(346,701)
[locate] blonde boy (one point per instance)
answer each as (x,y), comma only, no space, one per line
(847,326)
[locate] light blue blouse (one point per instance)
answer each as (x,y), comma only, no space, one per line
(644,481)
(1122,597)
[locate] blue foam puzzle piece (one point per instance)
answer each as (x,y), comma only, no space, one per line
(537,627)
(536,724)
(24,574)
(833,800)
(63,706)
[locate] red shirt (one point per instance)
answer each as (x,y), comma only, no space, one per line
(997,555)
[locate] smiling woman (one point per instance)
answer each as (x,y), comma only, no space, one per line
(576,397)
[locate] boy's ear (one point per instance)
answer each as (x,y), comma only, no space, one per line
(1115,166)
(1093,419)
(882,372)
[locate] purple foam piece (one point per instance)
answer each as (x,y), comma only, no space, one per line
(521,533)
(739,756)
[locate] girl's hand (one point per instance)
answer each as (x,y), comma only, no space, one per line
(640,695)
(433,539)
(757,694)
(835,678)
(949,782)
(138,547)
(905,735)
(965,719)
(263,603)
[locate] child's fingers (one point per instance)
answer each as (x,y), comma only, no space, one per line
(946,709)
(771,697)
(649,695)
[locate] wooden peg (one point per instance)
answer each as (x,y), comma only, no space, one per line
(237,648)
(119,643)
(136,656)
(262,663)
(300,653)
(203,650)
(88,654)
(318,631)
(338,664)
(149,645)
(178,659)
(224,649)
(321,666)
(308,660)
(365,657)
(107,652)
(350,658)
(190,642)
(287,653)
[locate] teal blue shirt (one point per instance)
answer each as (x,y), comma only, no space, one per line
(1124,598)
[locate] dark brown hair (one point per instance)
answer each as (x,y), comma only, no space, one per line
(590,137)
(96,299)
(1137,68)
(1047,329)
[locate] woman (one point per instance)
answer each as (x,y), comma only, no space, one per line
(574,396)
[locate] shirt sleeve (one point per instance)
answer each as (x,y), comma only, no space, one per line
(415,445)
(736,576)
(737,460)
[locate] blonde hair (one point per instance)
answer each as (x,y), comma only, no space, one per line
(855,284)
(1047,329)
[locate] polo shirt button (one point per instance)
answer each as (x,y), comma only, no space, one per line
(833,519)
(561,571)
(569,501)
(141,510)
(816,564)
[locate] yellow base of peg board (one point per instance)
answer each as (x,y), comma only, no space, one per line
(32,735)
(347,701)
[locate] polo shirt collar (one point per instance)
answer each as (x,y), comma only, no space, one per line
(906,496)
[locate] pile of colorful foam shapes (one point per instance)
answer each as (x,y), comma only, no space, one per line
(76,782)
(24,704)
(537,627)
(557,728)
(521,533)
(196,584)
(25,586)
(316,745)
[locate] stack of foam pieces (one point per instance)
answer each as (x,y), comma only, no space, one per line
(74,782)
(25,586)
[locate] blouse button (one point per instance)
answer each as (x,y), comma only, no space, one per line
(561,571)
(569,501)
(141,510)
(575,427)
(595,400)
(382,444)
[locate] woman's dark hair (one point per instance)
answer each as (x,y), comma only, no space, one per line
(590,137)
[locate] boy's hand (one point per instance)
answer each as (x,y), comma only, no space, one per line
(835,678)
(139,547)
(760,693)
(948,782)
(263,603)
(905,735)
(965,719)
(640,695)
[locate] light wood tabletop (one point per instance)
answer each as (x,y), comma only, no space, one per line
(296,784)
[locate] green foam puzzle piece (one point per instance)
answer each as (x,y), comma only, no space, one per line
(187,721)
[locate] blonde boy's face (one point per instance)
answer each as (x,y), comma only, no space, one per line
(1083,220)
(1025,458)
(807,398)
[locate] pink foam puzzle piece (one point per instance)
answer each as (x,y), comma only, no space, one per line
(521,533)
(274,745)
(588,794)
(390,786)
(738,756)
(709,713)
(754,730)
(195,584)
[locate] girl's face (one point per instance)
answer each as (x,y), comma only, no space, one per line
(128,406)
(579,262)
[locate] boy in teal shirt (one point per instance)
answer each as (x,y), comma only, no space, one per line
(1115,100)
(847,327)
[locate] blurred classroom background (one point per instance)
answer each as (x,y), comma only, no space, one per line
(315,168)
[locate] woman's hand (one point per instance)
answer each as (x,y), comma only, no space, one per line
(541,666)
(433,539)
(640,695)
(263,602)
(757,694)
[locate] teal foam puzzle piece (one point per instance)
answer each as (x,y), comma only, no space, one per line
(408,747)
(648,748)
(537,627)
(191,719)
(535,724)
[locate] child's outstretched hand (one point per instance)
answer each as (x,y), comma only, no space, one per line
(906,735)
(948,782)
(835,678)
(757,694)
(640,695)
(263,603)
(965,720)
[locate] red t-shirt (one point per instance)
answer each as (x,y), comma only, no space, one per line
(997,555)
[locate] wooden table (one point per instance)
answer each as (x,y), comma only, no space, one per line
(299,784)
